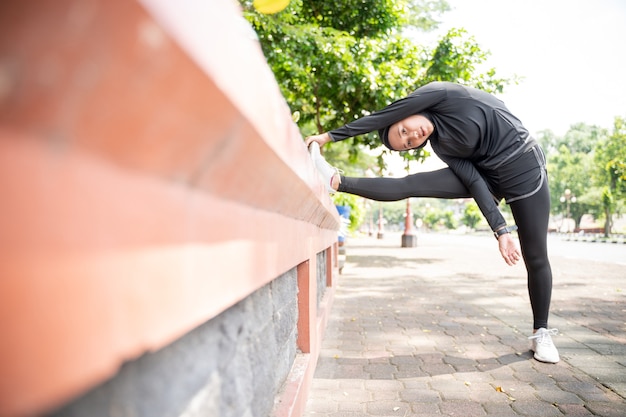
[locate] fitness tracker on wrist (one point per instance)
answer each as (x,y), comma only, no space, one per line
(504,230)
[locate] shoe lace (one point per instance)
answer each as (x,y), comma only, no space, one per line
(544,337)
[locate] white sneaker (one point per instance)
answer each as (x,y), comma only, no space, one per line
(326,171)
(542,345)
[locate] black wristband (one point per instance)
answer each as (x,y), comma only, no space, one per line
(504,230)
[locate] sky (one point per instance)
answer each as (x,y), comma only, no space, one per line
(571,53)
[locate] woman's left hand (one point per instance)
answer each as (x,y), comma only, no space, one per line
(509,249)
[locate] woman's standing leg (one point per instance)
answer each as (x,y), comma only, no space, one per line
(531,216)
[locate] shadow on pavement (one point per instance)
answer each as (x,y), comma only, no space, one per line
(381,261)
(411,366)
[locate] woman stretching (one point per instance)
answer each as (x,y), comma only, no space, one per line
(490,156)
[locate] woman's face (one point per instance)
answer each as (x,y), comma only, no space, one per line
(410,133)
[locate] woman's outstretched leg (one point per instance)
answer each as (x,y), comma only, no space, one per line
(442,183)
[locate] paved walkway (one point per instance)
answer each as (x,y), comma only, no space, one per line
(442,329)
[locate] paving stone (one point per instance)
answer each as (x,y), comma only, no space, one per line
(324,384)
(556,396)
(350,371)
(604,409)
(473,377)
(448,385)
(350,395)
(383,385)
(489,397)
(462,408)
(574,410)
(387,408)
(380,371)
(351,406)
(499,409)
(321,406)
(415,383)
(409,372)
(425,409)
(438,369)
(355,384)
(536,408)
(384,395)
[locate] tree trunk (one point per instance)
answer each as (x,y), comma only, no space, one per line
(607,222)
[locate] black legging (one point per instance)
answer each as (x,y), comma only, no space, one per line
(531,215)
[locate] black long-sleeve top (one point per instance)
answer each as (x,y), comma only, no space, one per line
(474,133)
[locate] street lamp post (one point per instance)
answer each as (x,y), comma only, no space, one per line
(566,198)
(381,220)
(409,238)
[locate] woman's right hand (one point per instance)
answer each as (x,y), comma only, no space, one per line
(322,139)
(508,249)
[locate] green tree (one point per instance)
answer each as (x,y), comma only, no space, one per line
(610,159)
(457,58)
(448,220)
(338,61)
(571,166)
(591,163)
(395,213)
(571,171)
(357,212)
(471,215)
(432,218)
(583,138)
(579,138)
(548,141)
